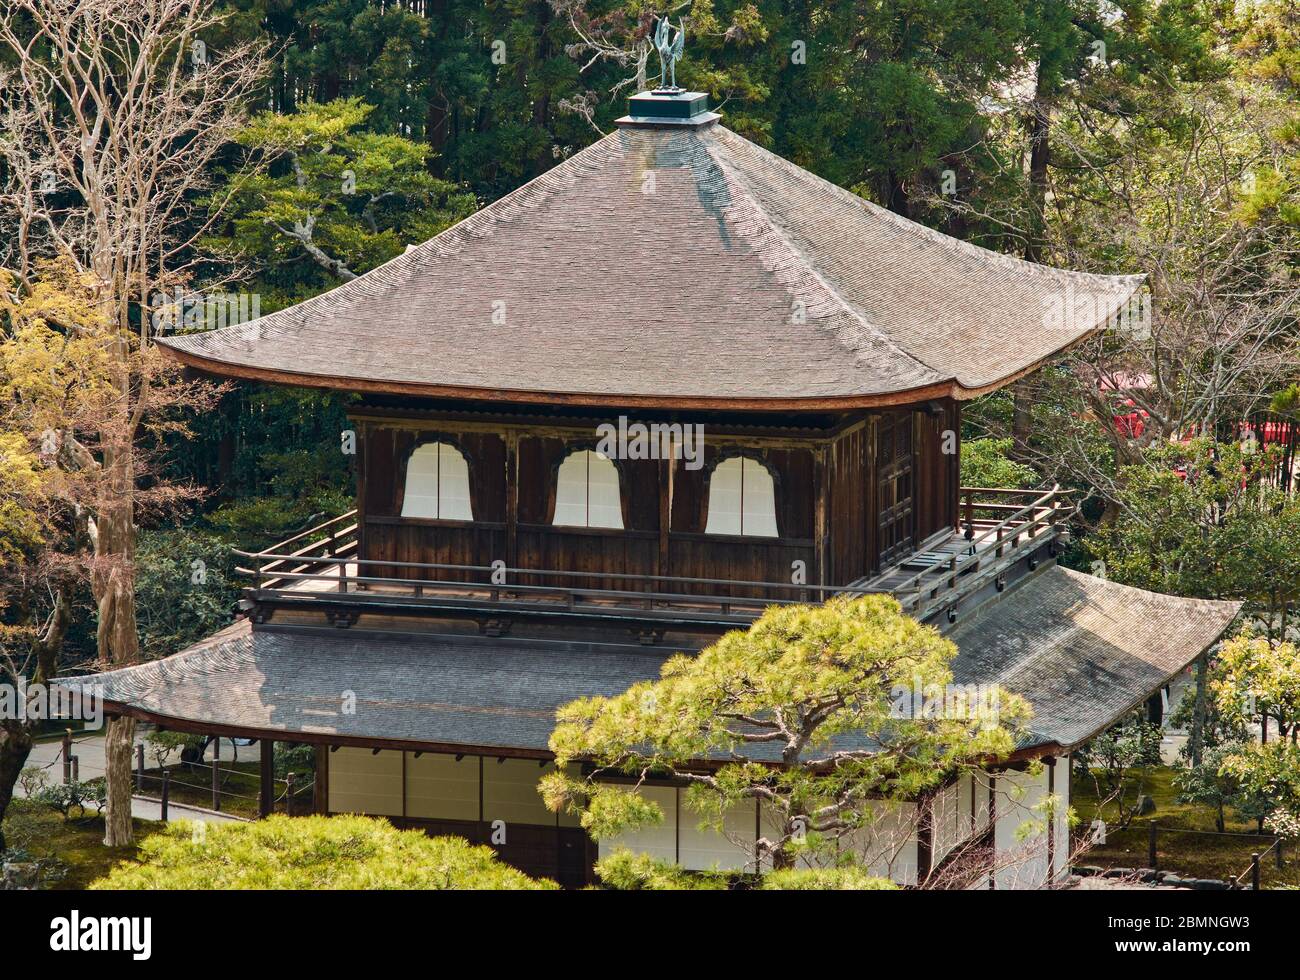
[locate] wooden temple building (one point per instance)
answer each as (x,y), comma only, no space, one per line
(803,354)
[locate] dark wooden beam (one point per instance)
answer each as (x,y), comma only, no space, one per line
(924,837)
(663,564)
(321,791)
(512,499)
(1051,821)
(266,794)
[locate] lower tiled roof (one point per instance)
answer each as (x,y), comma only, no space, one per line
(1081,650)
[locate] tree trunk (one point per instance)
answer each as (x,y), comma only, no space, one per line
(1040,159)
(15,746)
(113,585)
(16,737)
(1196,737)
(896,196)
(118,743)
(1020,419)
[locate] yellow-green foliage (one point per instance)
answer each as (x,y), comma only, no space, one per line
(988,463)
(798,678)
(314,852)
(848,879)
(21,490)
(57,351)
(1258,676)
(625,871)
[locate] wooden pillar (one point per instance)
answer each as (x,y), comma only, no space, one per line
(871,495)
(266,795)
(216,772)
(662,562)
(512,502)
(320,792)
(363,447)
(954,462)
(924,837)
(821,485)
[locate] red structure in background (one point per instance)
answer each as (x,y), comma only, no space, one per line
(1268,433)
(1132,424)
(1266,430)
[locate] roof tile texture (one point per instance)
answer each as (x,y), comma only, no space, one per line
(1081,650)
(674,263)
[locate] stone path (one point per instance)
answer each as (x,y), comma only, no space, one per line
(89,750)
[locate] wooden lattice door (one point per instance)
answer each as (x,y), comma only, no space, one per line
(894,488)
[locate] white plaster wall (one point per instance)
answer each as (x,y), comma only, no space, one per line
(732,849)
(950,823)
(438,787)
(361,782)
(888,846)
(1061,845)
(981,783)
(510,793)
(1020,858)
(659,841)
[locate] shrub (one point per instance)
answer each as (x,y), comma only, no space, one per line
(65,797)
(32,780)
(163,743)
(845,879)
(625,871)
(315,852)
(988,463)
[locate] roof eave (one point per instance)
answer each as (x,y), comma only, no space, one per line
(944,389)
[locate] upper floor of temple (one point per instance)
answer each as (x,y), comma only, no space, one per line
(672,379)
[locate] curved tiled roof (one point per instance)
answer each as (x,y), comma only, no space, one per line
(1081,650)
(674,266)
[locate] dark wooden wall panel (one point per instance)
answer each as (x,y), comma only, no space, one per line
(738,559)
(894,484)
(588,550)
(851,506)
(936,471)
(846,467)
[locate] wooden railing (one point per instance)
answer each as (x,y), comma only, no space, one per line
(323,561)
(334,539)
(503,589)
(989,538)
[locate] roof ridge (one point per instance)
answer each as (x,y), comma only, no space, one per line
(920,230)
(775,232)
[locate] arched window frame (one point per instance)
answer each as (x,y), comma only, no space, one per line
(404,471)
(753,456)
(554,490)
